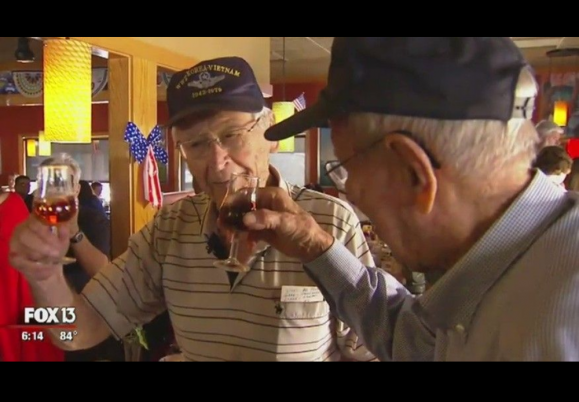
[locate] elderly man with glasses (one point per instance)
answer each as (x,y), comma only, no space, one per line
(274,311)
(435,137)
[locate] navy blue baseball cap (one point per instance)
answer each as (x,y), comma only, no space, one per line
(223,84)
(446,78)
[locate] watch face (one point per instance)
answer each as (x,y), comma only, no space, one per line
(77,237)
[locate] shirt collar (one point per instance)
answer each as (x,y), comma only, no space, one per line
(452,302)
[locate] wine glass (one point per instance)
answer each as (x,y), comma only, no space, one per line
(240,199)
(55,200)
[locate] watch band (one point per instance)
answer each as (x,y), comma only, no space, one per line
(77,238)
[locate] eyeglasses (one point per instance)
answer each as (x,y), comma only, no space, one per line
(231,141)
(338,174)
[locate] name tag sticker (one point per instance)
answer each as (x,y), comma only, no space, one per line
(301,294)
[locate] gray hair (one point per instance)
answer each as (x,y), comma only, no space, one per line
(472,148)
(547,127)
(66,160)
(266,118)
(548,131)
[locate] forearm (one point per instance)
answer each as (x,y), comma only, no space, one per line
(367,299)
(90,329)
(90,258)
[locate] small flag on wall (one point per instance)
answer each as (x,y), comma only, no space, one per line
(284,110)
(300,102)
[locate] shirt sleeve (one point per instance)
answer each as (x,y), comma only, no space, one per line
(367,299)
(128,292)
(351,345)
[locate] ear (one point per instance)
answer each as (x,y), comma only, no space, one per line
(420,171)
(273,147)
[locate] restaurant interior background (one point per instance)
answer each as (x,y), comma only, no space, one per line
(298,65)
(129,81)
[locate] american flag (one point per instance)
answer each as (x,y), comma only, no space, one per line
(151,182)
(300,102)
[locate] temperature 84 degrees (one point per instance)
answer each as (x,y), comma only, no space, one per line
(67,336)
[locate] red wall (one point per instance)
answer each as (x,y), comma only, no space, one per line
(29,120)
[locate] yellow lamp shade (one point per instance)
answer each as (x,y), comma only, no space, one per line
(282,111)
(67,91)
(31,148)
(44,147)
(560,114)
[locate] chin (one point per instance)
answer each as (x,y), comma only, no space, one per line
(219,182)
(224,178)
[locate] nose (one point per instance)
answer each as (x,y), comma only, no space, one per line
(218,157)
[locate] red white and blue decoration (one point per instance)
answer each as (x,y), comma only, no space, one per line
(148,150)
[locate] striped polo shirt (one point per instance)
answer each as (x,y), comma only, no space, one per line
(256,317)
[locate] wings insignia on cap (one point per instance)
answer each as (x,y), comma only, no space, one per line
(206,81)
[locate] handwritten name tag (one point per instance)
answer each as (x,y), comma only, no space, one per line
(301,294)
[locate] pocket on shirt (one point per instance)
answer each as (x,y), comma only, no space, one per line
(300,310)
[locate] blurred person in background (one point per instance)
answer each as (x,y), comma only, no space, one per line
(15,293)
(550,134)
(555,162)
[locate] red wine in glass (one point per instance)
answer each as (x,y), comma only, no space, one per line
(55,200)
(235,207)
(240,199)
(56,210)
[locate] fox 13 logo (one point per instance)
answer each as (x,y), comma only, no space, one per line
(50,315)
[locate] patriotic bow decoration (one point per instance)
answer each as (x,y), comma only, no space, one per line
(148,150)
(140,145)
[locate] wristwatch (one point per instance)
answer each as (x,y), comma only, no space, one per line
(77,238)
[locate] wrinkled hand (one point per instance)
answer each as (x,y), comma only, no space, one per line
(35,250)
(280,222)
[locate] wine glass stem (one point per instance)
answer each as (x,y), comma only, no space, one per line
(234,246)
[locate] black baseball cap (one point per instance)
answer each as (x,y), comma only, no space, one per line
(222,84)
(447,78)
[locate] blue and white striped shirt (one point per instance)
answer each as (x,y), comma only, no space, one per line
(513,297)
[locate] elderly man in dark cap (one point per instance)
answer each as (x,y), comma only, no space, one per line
(435,136)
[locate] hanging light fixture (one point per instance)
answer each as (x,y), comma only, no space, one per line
(562,101)
(67,91)
(23,52)
(31,148)
(44,147)
(560,113)
(284,110)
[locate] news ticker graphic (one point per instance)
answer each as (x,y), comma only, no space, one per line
(39,320)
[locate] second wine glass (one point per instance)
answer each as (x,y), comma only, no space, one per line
(240,199)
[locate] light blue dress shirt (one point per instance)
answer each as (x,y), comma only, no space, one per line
(513,297)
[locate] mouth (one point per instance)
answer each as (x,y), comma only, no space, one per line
(218,182)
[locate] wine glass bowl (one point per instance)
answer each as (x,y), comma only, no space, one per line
(56,210)
(234,208)
(55,200)
(240,199)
